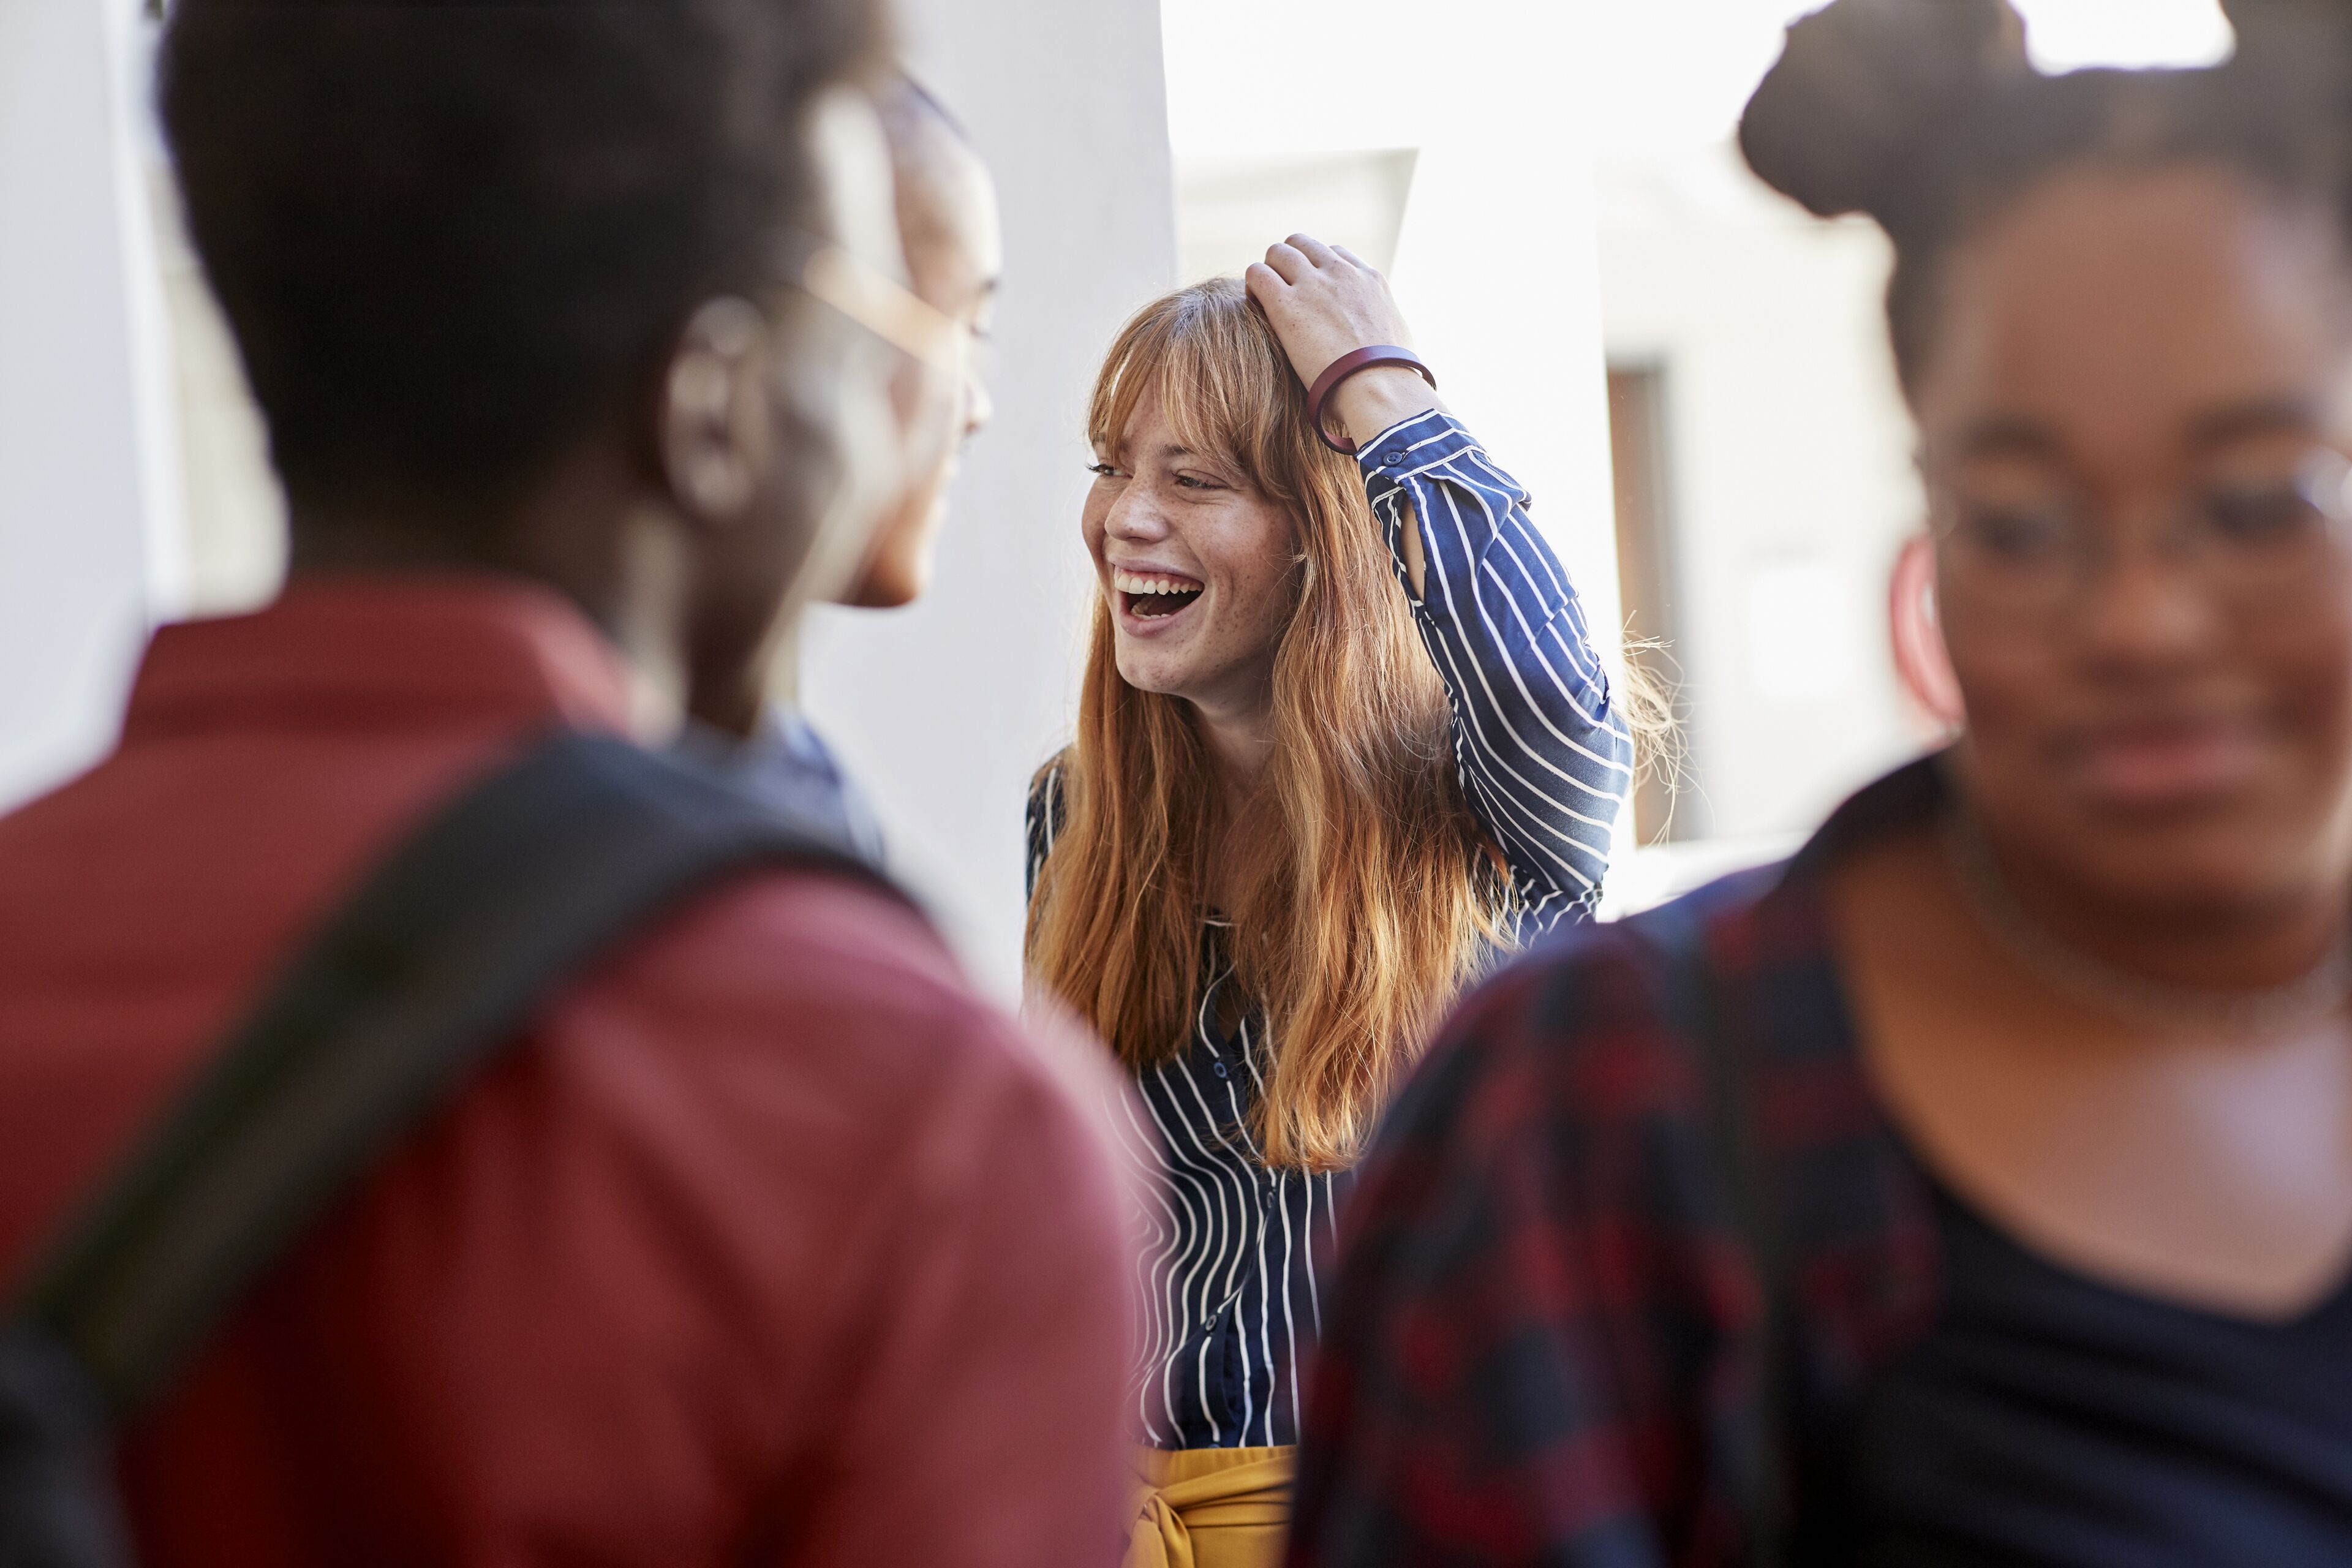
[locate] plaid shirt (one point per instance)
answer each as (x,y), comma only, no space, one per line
(1540,1337)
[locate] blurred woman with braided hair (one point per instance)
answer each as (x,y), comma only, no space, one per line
(1976,1187)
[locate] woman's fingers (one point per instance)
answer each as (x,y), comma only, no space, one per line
(1289,262)
(1314,249)
(1322,303)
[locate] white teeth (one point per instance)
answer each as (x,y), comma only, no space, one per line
(1134,582)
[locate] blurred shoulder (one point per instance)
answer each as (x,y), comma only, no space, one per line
(832,981)
(1597,1023)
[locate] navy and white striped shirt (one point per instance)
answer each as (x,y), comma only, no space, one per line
(1232,1311)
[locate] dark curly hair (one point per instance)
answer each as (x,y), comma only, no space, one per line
(1927,116)
(453,238)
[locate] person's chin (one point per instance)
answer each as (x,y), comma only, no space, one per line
(2204,843)
(1150,669)
(2194,873)
(884,588)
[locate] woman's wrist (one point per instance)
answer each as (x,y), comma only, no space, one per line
(1372,400)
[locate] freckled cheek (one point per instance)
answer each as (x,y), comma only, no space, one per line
(1251,561)
(1257,603)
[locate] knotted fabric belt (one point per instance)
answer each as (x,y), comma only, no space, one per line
(1211,1508)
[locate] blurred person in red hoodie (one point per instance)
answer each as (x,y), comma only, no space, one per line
(770,1241)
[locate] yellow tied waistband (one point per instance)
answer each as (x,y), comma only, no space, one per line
(1237,1500)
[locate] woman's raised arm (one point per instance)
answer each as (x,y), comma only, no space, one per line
(1544,757)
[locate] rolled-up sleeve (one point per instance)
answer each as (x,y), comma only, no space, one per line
(1544,757)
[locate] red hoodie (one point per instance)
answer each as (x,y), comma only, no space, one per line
(772,1243)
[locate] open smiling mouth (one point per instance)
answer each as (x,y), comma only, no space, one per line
(1154,597)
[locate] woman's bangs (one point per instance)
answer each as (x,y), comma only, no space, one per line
(1186,354)
(1204,405)
(1120,389)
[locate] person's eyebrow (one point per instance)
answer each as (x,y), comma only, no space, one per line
(2004,435)
(2252,419)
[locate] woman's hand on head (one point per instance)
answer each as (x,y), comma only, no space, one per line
(1324,301)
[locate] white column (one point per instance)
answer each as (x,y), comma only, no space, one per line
(943,711)
(1498,268)
(88,526)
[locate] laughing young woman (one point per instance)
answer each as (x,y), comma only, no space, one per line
(1343,738)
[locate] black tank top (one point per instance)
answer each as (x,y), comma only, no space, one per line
(2049,1419)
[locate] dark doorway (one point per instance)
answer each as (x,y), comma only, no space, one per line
(1645,578)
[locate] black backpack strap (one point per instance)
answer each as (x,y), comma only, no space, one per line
(429,971)
(1765,1476)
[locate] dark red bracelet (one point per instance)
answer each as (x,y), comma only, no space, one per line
(1348,364)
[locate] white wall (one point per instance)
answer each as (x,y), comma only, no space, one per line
(944,710)
(89,539)
(1227,207)
(232,510)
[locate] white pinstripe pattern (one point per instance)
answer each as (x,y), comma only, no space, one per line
(1230,1279)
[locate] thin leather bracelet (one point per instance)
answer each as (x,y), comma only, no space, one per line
(1348,364)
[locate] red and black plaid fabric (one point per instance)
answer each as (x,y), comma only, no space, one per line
(1540,1337)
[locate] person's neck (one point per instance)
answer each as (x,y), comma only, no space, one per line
(2252,948)
(619,563)
(1240,741)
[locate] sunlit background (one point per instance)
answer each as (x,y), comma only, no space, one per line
(1687,373)
(1540,172)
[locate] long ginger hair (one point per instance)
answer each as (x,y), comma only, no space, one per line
(1368,891)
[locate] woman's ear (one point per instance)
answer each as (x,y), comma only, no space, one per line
(1921,661)
(714,425)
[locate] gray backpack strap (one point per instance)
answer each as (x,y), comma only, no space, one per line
(1762,1462)
(423,978)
